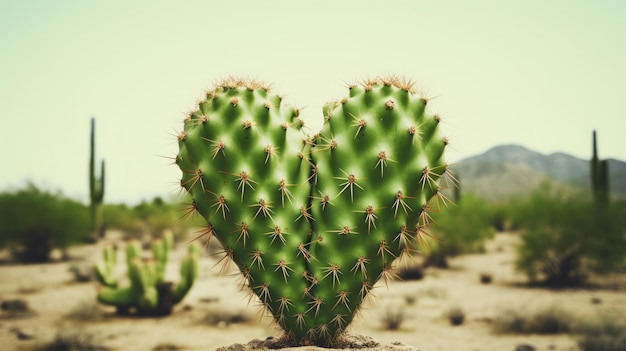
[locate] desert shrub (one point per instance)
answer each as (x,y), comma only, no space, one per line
(120,217)
(548,320)
(605,333)
(159,215)
(84,311)
(461,228)
(150,218)
(221,316)
(486,278)
(33,222)
(393,317)
(564,238)
(455,315)
(411,272)
(70,340)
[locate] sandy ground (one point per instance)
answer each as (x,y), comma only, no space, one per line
(201,321)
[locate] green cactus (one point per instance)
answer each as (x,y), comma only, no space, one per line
(313,223)
(148,292)
(96,184)
(599,170)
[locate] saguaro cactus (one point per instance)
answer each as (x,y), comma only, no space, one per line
(313,223)
(96,184)
(599,170)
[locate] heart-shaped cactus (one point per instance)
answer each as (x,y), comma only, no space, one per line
(313,223)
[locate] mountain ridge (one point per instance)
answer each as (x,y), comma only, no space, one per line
(512,170)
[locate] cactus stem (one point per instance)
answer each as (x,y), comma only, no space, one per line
(407,253)
(276,232)
(331,144)
(415,132)
(264,292)
(342,297)
(389,104)
(243,232)
(284,191)
(207,231)
(299,320)
(403,237)
(244,179)
(339,321)
(265,208)
(365,289)
(190,210)
(334,270)
(382,161)
(400,202)
(344,230)
(284,304)
(282,265)
(382,249)
(427,177)
(256,258)
(315,304)
(441,197)
(350,182)
(269,151)
(449,177)
(304,213)
(224,260)
(387,275)
(197,177)
(370,217)
(218,146)
(360,124)
(305,253)
(360,266)
(324,331)
(323,199)
(220,204)
(424,218)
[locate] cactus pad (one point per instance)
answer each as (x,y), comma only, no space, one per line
(313,222)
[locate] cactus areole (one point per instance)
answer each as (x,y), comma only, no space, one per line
(313,222)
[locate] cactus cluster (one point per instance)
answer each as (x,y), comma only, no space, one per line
(313,222)
(148,293)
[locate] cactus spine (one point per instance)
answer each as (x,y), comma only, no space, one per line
(148,292)
(96,185)
(313,223)
(599,170)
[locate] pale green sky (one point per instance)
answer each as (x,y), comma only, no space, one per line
(538,73)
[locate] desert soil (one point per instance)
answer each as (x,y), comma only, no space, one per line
(216,314)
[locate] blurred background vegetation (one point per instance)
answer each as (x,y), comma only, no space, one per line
(34,222)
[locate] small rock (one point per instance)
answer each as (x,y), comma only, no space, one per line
(16,305)
(524,347)
(22,335)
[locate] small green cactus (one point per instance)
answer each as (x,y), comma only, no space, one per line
(148,292)
(313,223)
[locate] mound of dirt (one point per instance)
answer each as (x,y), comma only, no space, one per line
(348,341)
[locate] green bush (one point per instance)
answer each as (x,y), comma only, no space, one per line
(148,218)
(158,215)
(605,333)
(461,228)
(565,238)
(547,320)
(33,222)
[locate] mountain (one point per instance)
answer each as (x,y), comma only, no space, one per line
(507,171)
